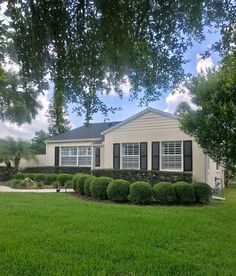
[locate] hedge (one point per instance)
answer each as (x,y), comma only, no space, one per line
(151,177)
(87,183)
(202,192)
(74,181)
(118,190)
(50,178)
(140,192)
(184,192)
(80,183)
(57,170)
(98,187)
(164,193)
(5,173)
(63,178)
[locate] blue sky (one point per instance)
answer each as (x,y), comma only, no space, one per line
(167,102)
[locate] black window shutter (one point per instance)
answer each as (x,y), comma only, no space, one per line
(97,157)
(116,156)
(143,156)
(188,156)
(57,154)
(156,156)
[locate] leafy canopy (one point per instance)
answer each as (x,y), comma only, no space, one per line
(213,124)
(38,142)
(93,46)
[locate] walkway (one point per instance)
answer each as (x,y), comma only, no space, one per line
(9,189)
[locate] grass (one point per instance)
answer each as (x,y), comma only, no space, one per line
(57,234)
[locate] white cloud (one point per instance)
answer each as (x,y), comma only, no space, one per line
(26,131)
(180,94)
(204,65)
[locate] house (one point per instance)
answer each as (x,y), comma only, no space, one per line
(149,140)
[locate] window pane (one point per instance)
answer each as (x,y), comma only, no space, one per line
(68,161)
(68,151)
(84,160)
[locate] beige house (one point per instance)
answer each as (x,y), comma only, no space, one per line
(149,140)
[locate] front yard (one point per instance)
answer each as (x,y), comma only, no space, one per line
(58,234)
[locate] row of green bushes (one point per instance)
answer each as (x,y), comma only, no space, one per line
(151,177)
(141,192)
(43,178)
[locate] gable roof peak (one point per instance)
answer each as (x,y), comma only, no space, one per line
(139,114)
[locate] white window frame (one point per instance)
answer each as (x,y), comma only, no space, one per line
(182,158)
(122,155)
(77,155)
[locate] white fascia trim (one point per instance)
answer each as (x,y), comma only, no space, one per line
(149,109)
(72,140)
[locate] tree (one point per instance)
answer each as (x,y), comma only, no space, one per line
(12,150)
(213,123)
(95,45)
(57,113)
(182,108)
(38,142)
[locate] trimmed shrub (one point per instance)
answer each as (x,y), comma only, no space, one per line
(164,193)
(50,178)
(15,183)
(20,175)
(202,192)
(118,190)
(87,183)
(6,173)
(80,183)
(152,177)
(140,192)
(184,192)
(75,179)
(68,184)
(62,178)
(98,187)
(56,184)
(39,177)
(57,169)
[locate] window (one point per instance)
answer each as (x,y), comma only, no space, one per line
(76,156)
(84,156)
(171,158)
(130,156)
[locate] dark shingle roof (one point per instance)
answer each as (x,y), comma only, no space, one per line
(84,132)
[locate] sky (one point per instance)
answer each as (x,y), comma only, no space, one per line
(168,102)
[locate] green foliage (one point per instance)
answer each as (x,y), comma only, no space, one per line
(118,190)
(151,177)
(98,187)
(140,192)
(57,170)
(38,142)
(184,192)
(164,193)
(68,184)
(15,183)
(80,183)
(56,184)
(213,123)
(39,177)
(87,183)
(57,113)
(202,192)
(20,175)
(13,150)
(50,178)
(75,181)
(145,43)
(63,178)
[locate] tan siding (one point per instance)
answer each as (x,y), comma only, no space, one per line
(148,128)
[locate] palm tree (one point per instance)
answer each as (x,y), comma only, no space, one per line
(12,151)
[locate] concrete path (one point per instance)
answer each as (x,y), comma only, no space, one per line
(9,189)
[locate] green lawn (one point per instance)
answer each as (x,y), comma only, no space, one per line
(57,234)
